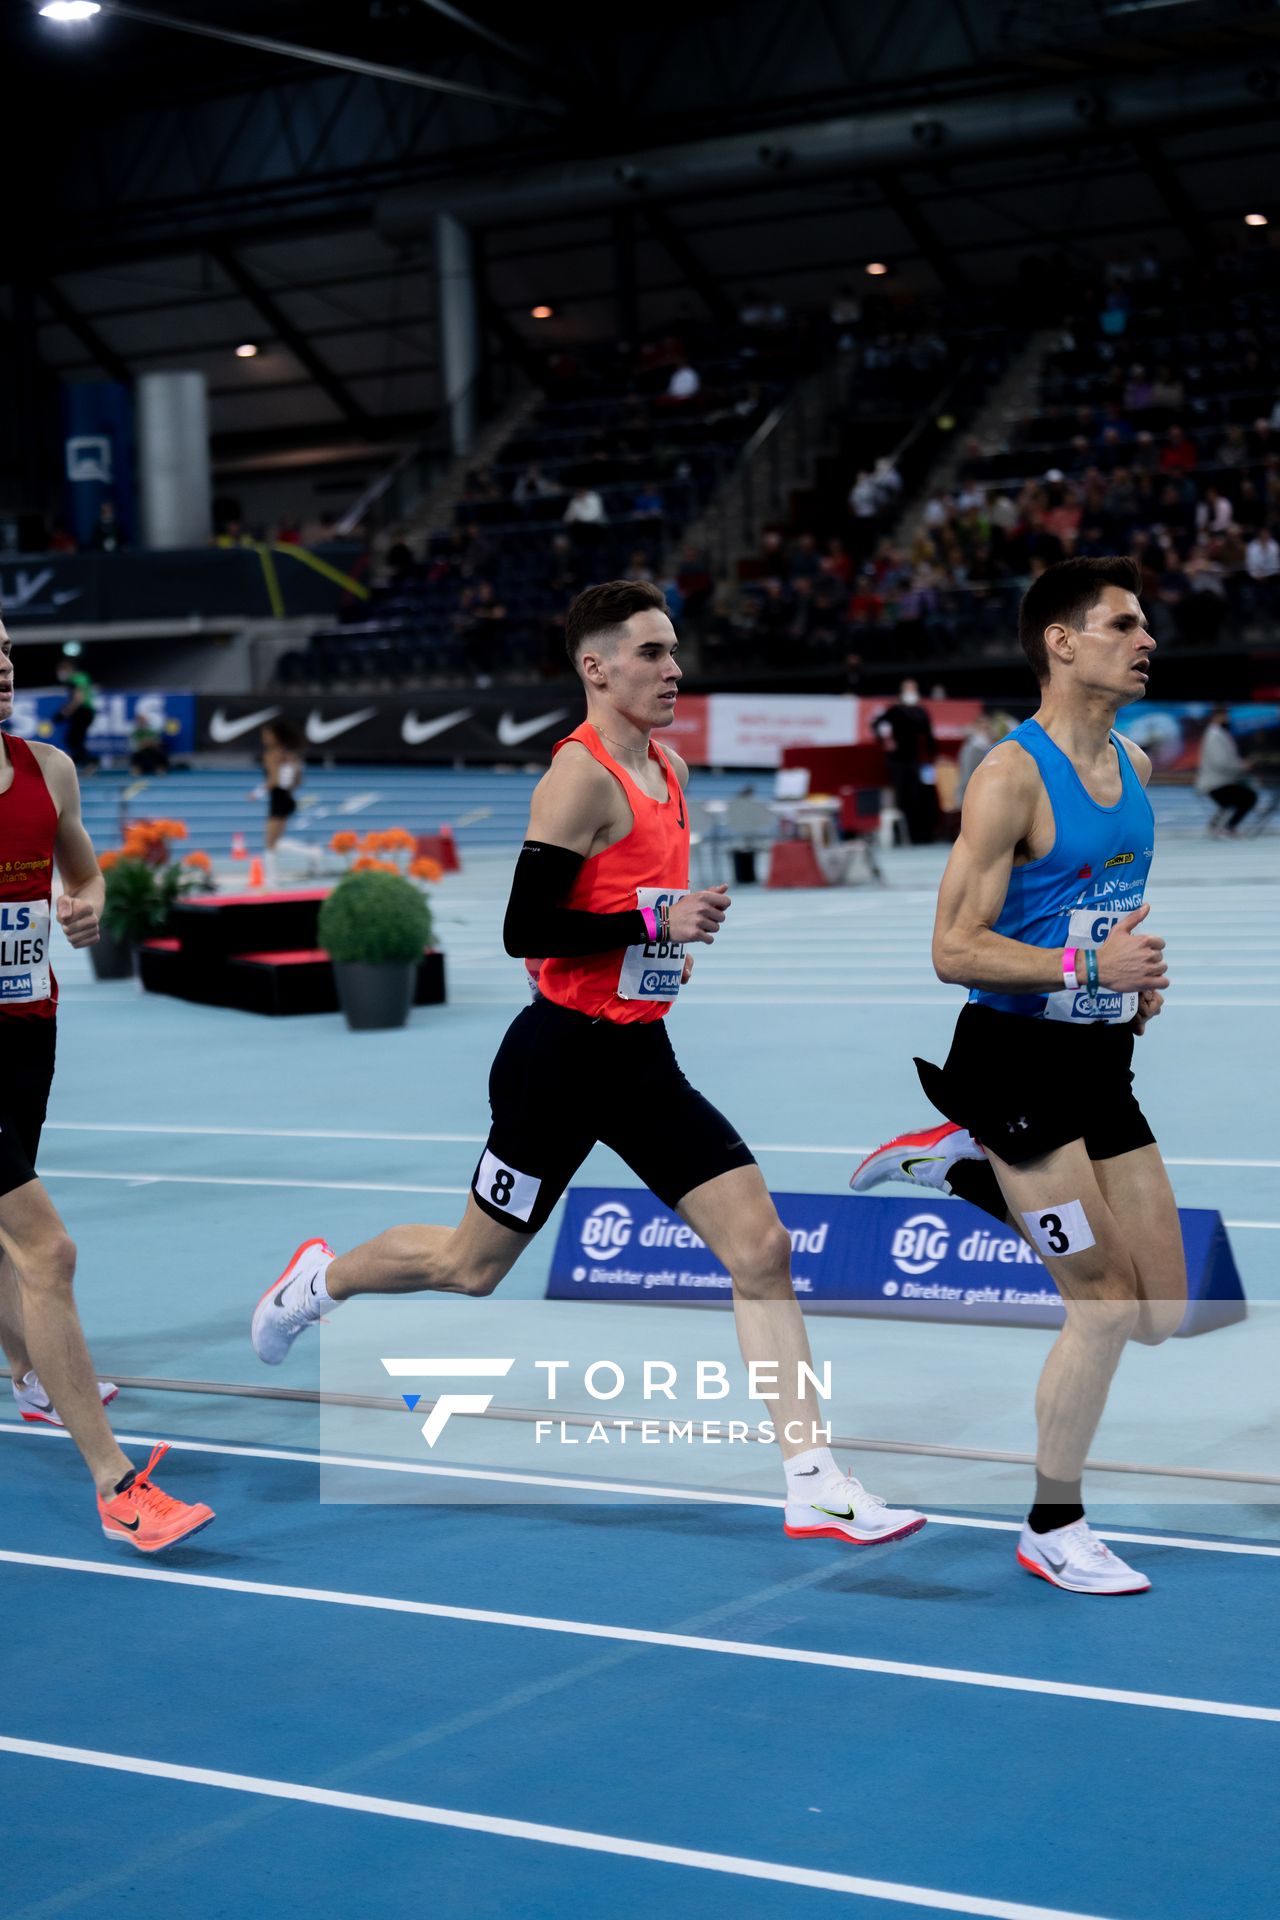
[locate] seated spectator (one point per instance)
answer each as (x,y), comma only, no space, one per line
(864,499)
(638,567)
(61,539)
(148,753)
(1214,512)
(1234,450)
(289,532)
(1178,454)
(585,508)
(1167,389)
(836,561)
(805,563)
(533,484)
(648,504)
(1139,394)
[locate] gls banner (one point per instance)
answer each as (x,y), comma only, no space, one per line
(171,714)
(890,1258)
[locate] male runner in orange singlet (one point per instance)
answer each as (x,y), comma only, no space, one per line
(40,824)
(599,888)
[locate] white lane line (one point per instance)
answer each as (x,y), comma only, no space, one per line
(642,1636)
(1261,1226)
(641,1489)
(535,1830)
(469,1139)
(227,1180)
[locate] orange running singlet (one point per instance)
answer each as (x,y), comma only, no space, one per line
(655,854)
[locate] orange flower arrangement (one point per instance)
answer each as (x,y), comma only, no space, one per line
(344,841)
(399,840)
(367,863)
(424,868)
(107,859)
(199,860)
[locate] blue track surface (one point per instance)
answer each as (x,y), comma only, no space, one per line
(189,1149)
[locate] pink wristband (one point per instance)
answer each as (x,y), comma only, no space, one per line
(1069,968)
(650,919)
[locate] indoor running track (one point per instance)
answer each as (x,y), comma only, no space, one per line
(291,1720)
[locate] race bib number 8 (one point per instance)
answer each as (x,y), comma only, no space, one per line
(24,952)
(651,971)
(502,1186)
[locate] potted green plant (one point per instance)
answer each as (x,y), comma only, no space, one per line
(139,900)
(374,926)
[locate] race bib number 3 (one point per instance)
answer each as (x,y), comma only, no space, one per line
(1058,1231)
(1089,927)
(652,970)
(24,952)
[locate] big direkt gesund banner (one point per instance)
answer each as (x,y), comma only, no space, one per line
(892,1258)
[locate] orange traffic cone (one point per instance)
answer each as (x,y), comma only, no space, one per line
(239,851)
(255,872)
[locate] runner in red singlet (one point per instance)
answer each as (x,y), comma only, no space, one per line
(40,827)
(601,888)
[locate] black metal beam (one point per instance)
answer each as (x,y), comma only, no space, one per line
(946,267)
(1182,209)
(686,261)
(283,328)
(253,442)
(90,339)
(518,57)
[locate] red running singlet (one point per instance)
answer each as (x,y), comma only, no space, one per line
(28,828)
(654,854)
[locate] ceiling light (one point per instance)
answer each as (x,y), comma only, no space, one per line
(68,10)
(246,351)
(1255,219)
(876,267)
(542,313)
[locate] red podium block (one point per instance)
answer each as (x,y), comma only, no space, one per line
(793,863)
(440,847)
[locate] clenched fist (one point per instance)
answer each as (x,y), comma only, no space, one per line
(78,920)
(699,916)
(1130,962)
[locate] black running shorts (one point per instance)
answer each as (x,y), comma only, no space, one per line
(561,1082)
(281,804)
(26,1074)
(1025,1087)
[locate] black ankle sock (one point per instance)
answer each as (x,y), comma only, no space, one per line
(1057,1504)
(128,1480)
(974,1181)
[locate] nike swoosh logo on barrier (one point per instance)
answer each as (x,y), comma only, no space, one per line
(511,732)
(414,731)
(222,731)
(319,731)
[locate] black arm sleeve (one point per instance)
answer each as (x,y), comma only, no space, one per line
(537,924)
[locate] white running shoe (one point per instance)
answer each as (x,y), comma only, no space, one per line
(1074,1558)
(925,1158)
(842,1509)
(289,1305)
(35,1404)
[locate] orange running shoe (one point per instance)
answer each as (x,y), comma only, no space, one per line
(148,1519)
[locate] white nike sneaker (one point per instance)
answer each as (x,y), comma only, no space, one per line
(289,1303)
(35,1404)
(842,1509)
(1074,1558)
(925,1158)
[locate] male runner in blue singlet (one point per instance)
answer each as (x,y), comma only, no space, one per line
(1040,915)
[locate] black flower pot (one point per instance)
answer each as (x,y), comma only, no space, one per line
(110,957)
(375,994)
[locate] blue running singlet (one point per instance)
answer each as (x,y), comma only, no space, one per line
(1095,873)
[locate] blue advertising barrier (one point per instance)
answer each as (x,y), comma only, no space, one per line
(173,715)
(889,1258)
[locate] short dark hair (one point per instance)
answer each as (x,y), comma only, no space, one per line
(1064,595)
(605,608)
(286,733)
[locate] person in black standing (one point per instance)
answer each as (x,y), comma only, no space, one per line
(909,745)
